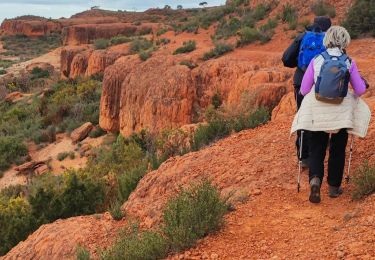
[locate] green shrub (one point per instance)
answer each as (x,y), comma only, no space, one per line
(216,100)
(145,31)
(133,244)
(115,210)
(128,181)
(3,72)
(260,11)
(82,253)
(120,39)
(163,41)
(364,181)
(252,120)
(219,50)
(188,46)
(62,156)
(16,222)
(321,8)
(53,197)
(188,64)
(101,44)
(267,30)
(97,132)
(38,73)
(360,19)
(145,55)
(161,31)
(193,214)
(11,149)
(248,35)
(139,45)
(228,29)
(290,15)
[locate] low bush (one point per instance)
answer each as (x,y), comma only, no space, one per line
(321,8)
(133,244)
(248,35)
(145,55)
(188,46)
(82,253)
(120,39)
(364,181)
(62,156)
(189,64)
(267,30)
(11,149)
(360,19)
(261,10)
(144,31)
(227,29)
(193,214)
(3,72)
(161,31)
(219,50)
(97,132)
(16,222)
(38,73)
(140,44)
(290,16)
(101,44)
(163,41)
(115,210)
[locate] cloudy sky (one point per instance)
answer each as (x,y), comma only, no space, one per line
(65,8)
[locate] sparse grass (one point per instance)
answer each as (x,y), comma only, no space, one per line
(62,156)
(115,210)
(97,132)
(11,149)
(145,55)
(191,65)
(227,29)
(248,35)
(161,31)
(6,63)
(219,50)
(163,41)
(82,253)
(38,73)
(2,72)
(290,16)
(140,44)
(322,8)
(364,181)
(28,48)
(120,39)
(188,46)
(101,44)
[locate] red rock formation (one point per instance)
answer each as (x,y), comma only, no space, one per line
(99,60)
(81,132)
(67,56)
(160,93)
(31,28)
(114,77)
(86,33)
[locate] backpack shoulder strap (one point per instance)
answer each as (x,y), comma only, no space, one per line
(325,55)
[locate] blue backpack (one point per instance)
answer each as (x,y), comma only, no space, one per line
(311,46)
(333,81)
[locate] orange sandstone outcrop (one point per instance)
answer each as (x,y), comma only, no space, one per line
(31,28)
(160,93)
(86,33)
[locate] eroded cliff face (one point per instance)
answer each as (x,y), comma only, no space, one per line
(160,93)
(86,33)
(30,28)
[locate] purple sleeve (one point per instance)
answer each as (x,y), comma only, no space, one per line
(356,81)
(308,79)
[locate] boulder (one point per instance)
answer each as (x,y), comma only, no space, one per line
(14,97)
(81,132)
(29,167)
(286,108)
(41,169)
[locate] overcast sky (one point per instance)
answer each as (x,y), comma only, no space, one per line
(66,8)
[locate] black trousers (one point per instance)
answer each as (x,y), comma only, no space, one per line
(336,161)
(306,134)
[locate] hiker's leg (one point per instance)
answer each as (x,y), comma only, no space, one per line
(318,146)
(336,161)
(305,146)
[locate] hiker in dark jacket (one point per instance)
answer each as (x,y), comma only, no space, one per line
(290,59)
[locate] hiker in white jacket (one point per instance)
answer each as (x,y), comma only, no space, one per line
(335,117)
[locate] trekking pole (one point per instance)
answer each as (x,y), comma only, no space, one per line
(347,178)
(300,162)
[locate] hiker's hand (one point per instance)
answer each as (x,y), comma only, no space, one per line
(366,83)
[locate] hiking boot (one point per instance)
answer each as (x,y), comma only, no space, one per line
(305,163)
(334,192)
(315,190)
